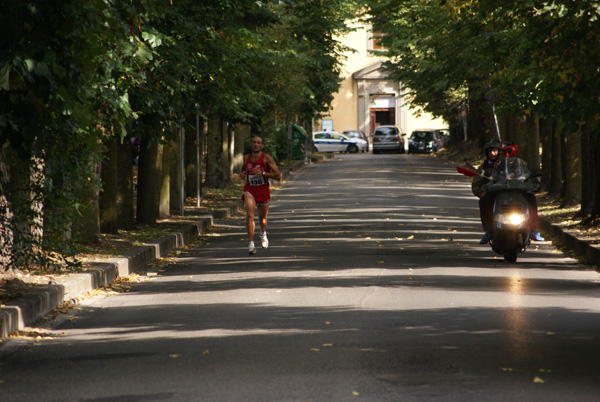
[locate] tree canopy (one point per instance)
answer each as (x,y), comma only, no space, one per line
(73,75)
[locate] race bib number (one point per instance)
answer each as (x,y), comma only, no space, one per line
(256,180)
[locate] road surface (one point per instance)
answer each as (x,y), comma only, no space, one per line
(374,288)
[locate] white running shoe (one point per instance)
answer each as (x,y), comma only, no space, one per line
(251,248)
(264,241)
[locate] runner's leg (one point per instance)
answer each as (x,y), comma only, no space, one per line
(263,211)
(250,204)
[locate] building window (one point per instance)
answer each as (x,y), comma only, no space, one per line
(374,44)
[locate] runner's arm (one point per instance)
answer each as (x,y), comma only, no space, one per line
(274,170)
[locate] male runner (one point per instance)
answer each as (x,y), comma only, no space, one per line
(257,170)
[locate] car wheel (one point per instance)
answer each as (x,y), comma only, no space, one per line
(352,148)
(315,149)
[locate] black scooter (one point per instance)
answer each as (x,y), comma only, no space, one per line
(513,217)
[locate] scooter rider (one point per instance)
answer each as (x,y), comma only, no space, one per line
(486,200)
(508,150)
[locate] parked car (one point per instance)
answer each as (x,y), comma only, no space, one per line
(332,141)
(424,141)
(357,134)
(388,138)
(444,134)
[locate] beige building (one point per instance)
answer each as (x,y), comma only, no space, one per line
(367,98)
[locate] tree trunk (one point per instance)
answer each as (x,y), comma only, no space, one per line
(590,162)
(588,175)
(476,121)
(241,133)
(573,185)
(228,148)
(189,153)
(108,195)
(88,230)
(125,198)
(595,146)
(557,176)
(170,196)
(546,135)
(149,183)
(528,139)
(25,208)
(214,163)
(6,233)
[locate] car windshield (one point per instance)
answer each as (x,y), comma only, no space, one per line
(385,131)
(422,135)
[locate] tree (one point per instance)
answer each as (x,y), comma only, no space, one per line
(536,58)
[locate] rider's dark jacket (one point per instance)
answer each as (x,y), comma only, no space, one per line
(485,169)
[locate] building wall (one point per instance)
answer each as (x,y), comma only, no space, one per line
(349,111)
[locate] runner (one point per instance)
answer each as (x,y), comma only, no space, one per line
(257,170)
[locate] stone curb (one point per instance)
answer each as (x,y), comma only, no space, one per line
(21,312)
(589,252)
(24,311)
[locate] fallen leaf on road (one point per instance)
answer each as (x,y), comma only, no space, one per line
(314,350)
(327,345)
(538,380)
(355,393)
(174,355)
(205,352)
(410,237)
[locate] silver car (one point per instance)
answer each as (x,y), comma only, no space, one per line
(332,141)
(388,138)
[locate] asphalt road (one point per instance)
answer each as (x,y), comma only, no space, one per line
(374,288)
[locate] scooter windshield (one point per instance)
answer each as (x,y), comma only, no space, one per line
(510,169)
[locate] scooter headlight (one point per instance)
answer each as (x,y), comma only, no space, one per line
(516,219)
(512,218)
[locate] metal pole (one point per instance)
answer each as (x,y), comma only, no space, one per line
(182,168)
(491,101)
(198,164)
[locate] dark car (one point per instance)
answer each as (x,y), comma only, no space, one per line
(388,138)
(424,141)
(358,134)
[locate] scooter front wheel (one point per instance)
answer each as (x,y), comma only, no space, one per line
(511,249)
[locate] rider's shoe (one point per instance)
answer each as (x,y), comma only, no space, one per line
(536,236)
(251,248)
(263,240)
(486,238)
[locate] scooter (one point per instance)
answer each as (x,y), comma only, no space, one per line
(513,220)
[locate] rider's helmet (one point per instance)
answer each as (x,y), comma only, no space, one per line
(510,149)
(490,145)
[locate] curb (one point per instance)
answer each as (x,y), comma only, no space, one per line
(24,311)
(583,249)
(21,312)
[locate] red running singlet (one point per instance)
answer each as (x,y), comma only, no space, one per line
(257,185)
